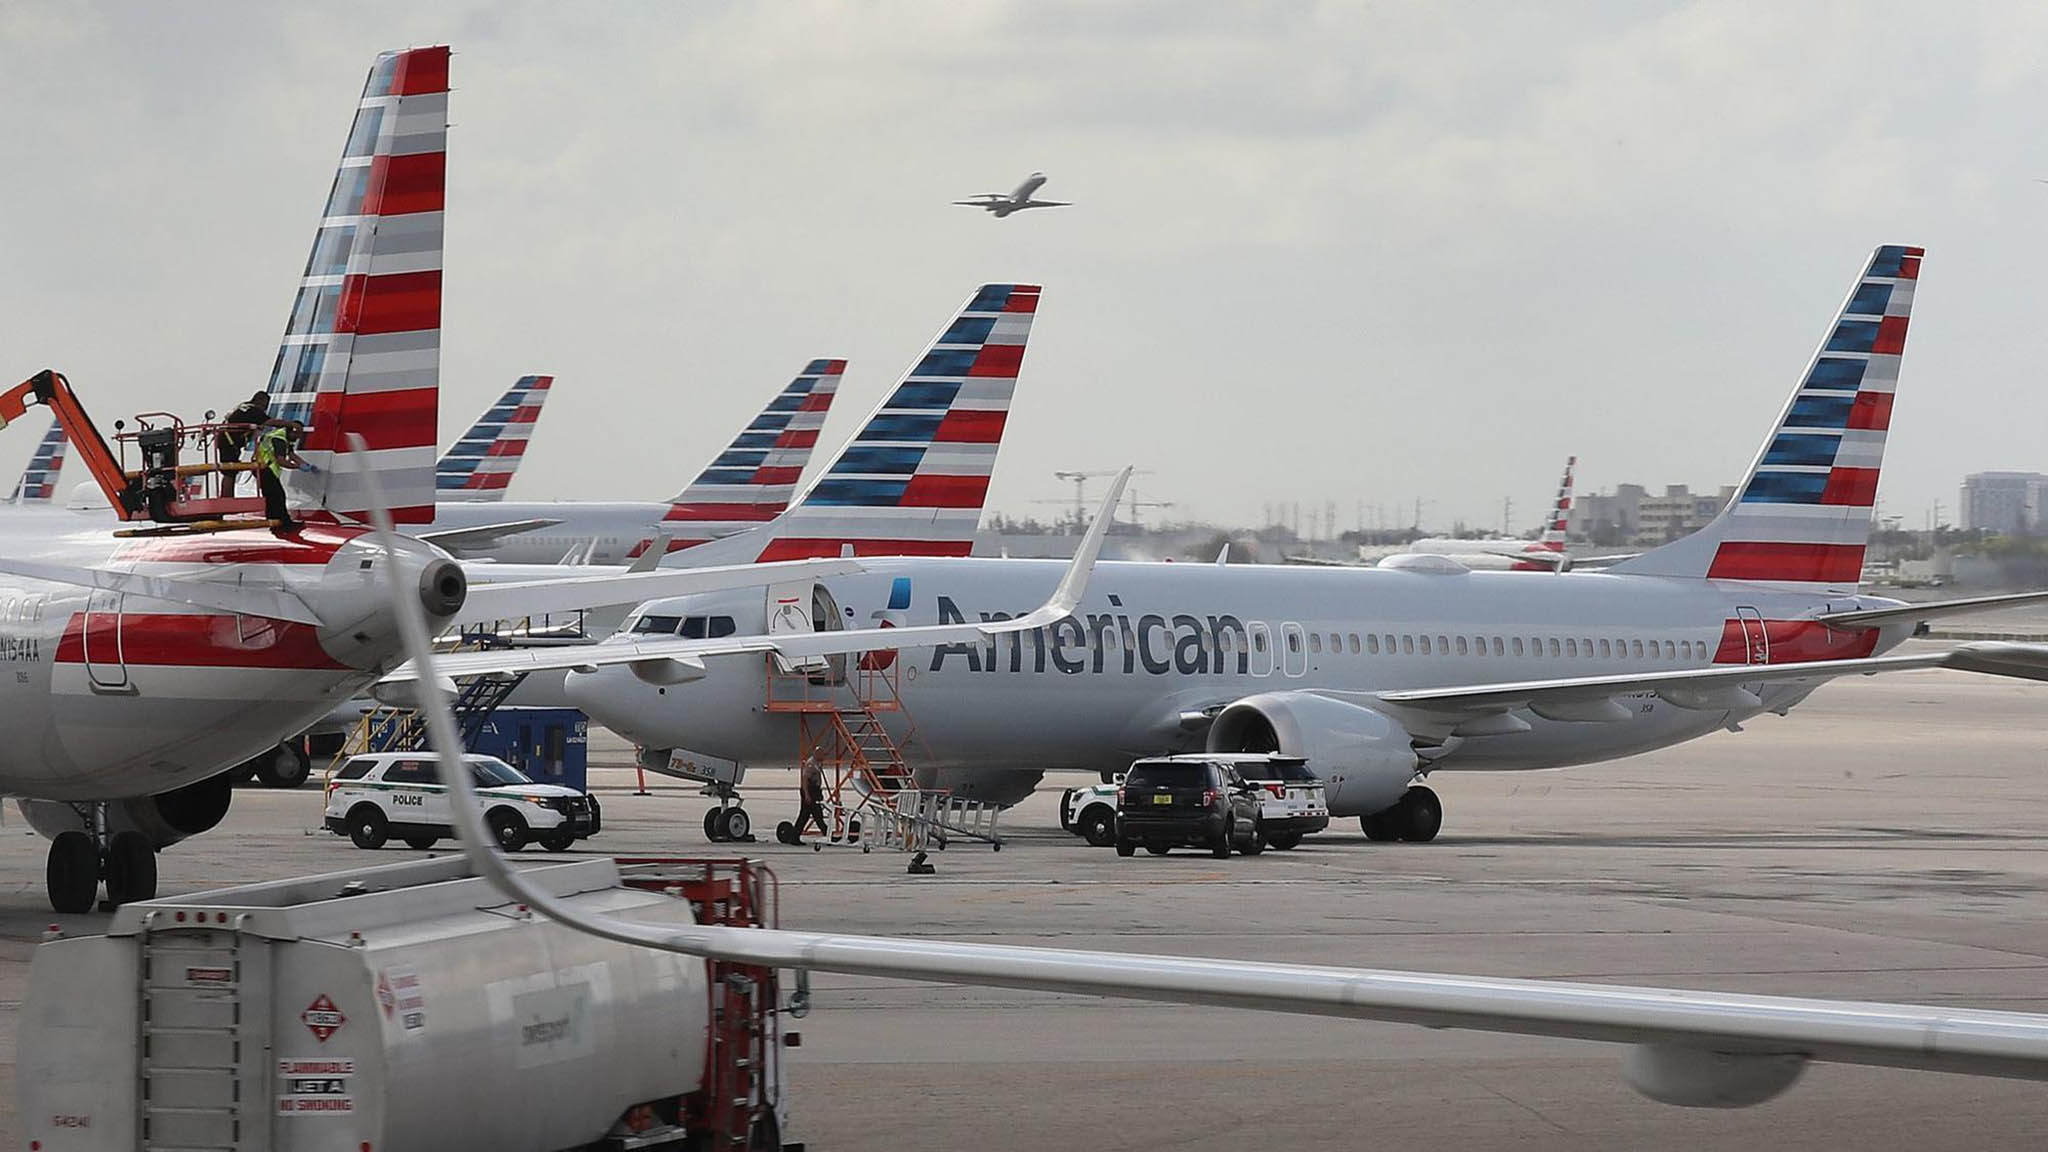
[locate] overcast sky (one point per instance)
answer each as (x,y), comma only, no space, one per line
(1342,252)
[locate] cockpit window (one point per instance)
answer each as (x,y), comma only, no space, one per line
(707,627)
(663,625)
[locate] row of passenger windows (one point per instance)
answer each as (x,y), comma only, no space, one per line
(1568,647)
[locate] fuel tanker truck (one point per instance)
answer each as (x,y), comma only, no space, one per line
(408,1007)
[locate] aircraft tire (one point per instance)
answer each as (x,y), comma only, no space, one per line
(714,827)
(72,873)
(737,825)
(1421,815)
(285,766)
(130,868)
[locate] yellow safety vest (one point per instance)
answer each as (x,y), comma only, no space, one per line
(269,445)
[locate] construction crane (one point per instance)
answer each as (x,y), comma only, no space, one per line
(1080,480)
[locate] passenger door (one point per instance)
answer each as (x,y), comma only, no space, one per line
(105,663)
(1756,640)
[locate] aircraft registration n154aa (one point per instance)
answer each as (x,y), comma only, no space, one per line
(1379,677)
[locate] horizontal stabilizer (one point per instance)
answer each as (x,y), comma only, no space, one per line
(268,603)
(483,535)
(1873,617)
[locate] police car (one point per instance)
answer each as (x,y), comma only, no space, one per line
(378,796)
(1293,805)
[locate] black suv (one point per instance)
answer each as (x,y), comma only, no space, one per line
(1181,802)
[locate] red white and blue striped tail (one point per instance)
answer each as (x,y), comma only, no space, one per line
(1556,528)
(38,482)
(481,465)
(362,352)
(913,480)
(751,482)
(1802,517)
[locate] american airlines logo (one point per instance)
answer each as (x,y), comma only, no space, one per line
(1099,642)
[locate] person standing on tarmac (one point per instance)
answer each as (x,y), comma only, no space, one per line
(812,788)
(276,450)
(231,441)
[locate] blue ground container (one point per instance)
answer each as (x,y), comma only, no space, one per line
(552,745)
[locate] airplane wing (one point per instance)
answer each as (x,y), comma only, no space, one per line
(686,656)
(1593,698)
(468,539)
(271,603)
(513,599)
(983,201)
(1046,204)
(1697,1048)
(1873,617)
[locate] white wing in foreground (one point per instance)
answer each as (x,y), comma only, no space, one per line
(1697,1048)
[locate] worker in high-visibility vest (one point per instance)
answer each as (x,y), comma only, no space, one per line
(276,450)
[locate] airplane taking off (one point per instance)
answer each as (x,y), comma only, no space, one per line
(38,484)
(480,466)
(1002,204)
(1379,677)
(142,666)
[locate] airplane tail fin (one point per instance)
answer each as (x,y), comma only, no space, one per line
(362,351)
(1559,523)
(751,482)
(38,482)
(913,480)
(1803,515)
(481,464)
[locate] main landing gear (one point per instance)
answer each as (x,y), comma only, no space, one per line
(1415,817)
(728,823)
(78,863)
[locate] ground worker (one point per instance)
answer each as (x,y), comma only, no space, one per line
(276,450)
(812,788)
(236,434)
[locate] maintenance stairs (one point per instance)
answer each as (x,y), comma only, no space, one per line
(872,796)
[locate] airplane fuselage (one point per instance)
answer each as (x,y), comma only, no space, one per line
(105,695)
(1154,643)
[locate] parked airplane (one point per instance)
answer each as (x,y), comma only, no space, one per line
(38,483)
(140,667)
(1380,677)
(481,464)
(1546,553)
(1686,1048)
(1002,204)
(911,482)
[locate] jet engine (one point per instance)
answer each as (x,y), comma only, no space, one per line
(1363,756)
(163,819)
(1002,787)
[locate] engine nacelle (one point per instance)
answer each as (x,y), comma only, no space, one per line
(1366,760)
(1692,1077)
(163,819)
(1004,788)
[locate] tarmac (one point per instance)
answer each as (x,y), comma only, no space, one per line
(1886,842)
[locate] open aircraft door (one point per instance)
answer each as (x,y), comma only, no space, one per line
(806,606)
(105,663)
(1756,641)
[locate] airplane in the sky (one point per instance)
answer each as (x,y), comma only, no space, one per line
(137,668)
(38,483)
(1684,1048)
(1001,204)
(1381,678)
(481,464)
(911,482)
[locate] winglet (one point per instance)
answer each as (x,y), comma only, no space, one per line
(1074,583)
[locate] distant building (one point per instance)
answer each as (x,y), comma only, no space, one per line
(1631,515)
(2005,502)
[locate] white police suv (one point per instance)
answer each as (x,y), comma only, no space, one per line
(385,794)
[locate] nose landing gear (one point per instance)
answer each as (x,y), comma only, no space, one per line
(78,861)
(728,823)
